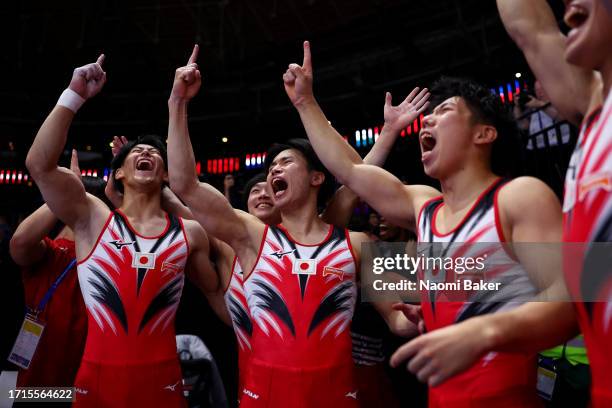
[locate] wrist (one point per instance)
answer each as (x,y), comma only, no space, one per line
(489,333)
(71,100)
(305,103)
(177,102)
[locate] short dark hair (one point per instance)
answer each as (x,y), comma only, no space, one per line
(258,178)
(151,140)
(305,148)
(486,107)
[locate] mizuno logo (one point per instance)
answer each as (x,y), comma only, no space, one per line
(250,393)
(280,254)
(171,387)
(351,395)
(118,244)
(81,390)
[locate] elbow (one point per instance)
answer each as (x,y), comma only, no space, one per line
(18,247)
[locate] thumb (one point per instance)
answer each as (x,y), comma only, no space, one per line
(101,59)
(74,163)
(388,99)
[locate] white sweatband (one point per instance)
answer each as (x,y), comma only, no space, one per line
(71,100)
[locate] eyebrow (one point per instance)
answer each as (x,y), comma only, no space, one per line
(442,106)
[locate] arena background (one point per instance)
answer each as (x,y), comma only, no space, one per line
(360,50)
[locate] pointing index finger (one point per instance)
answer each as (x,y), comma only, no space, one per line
(194,54)
(307,64)
(100,59)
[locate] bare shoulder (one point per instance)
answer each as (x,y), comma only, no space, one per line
(421,194)
(526,196)
(196,235)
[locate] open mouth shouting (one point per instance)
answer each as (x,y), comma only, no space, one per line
(279,186)
(428,143)
(144,164)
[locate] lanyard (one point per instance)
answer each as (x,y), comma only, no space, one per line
(52,289)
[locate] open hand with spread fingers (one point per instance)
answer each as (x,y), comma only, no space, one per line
(117,143)
(298,79)
(89,79)
(187,79)
(400,116)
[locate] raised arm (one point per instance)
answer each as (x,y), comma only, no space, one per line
(209,207)
(340,208)
(379,188)
(532,26)
(61,189)
(28,245)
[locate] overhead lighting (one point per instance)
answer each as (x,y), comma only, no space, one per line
(518,75)
(224,139)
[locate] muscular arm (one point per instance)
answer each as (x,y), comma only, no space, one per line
(27,244)
(532,26)
(340,208)
(536,236)
(209,207)
(62,189)
(531,327)
(379,188)
(201,272)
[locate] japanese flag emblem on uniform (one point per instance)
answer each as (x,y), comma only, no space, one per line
(143,260)
(305,267)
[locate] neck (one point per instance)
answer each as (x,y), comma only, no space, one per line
(461,189)
(141,205)
(303,222)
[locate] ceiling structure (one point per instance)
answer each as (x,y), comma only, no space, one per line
(361,48)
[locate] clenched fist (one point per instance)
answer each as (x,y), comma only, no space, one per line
(89,79)
(298,80)
(187,79)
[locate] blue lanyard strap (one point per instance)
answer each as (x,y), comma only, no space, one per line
(53,287)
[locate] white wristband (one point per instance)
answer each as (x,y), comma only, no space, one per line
(71,100)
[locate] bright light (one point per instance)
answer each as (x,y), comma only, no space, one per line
(224,140)
(518,75)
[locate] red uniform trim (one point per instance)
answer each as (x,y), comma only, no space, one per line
(180,219)
(331,229)
(229,282)
(347,234)
(499,227)
(465,217)
(127,221)
(261,247)
(110,216)
(418,220)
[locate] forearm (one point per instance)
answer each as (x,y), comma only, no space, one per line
(335,154)
(172,204)
(49,142)
(524,19)
(37,226)
(532,327)
(181,159)
(340,208)
(383,146)
(27,246)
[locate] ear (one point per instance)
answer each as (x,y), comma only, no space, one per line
(316,178)
(119,174)
(486,134)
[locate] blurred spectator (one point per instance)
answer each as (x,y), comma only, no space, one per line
(229,190)
(535,114)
